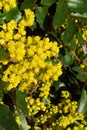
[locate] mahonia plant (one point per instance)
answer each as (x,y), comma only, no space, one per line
(32,67)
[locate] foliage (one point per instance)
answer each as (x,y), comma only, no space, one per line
(43,65)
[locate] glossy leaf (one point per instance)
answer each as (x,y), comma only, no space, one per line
(47,3)
(79,9)
(81,17)
(23,120)
(67,59)
(3,85)
(27,4)
(68,34)
(82,106)
(77,69)
(14,13)
(60,14)
(82,76)
(78,5)
(53,36)
(58,85)
(12,95)
(6,119)
(41,15)
(3,54)
(80,38)
(73,45)
(20,101)
(33,26)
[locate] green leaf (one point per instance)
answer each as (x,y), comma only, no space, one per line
(78,5)
(51,60)
(2,128)
(33,26)
(73,45)
(12,95)
(6,119)
(82,106)
(77,69)
(20,101)
(1,72)
(60,15)
(23,121)
(53,36)
(22,117)
(46,101)
(2,18)
(3,54)
(47,3)
(41,13)
(58,85)
(79,9)
(67,59)
(80,38)
(1,97)
(3,85)
(13,13)
(27,4)
(82,76)
(68,34)
(81,17)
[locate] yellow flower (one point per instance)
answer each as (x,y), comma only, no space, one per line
(85,128)
(65,94)
(37,128)
(6,4)
(1,5)
(82,66)
(75,128)
(28,127)
(69,128)
(18,120)
(29,17)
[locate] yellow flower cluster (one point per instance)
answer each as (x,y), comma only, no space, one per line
(29,17)
(68,111)
(64,121)
(32,60)
(13,39)
(15,32)
(43,113)
(7,4)
(62,116)
(80,127)
(33,63)
(31,66)
(35,105)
